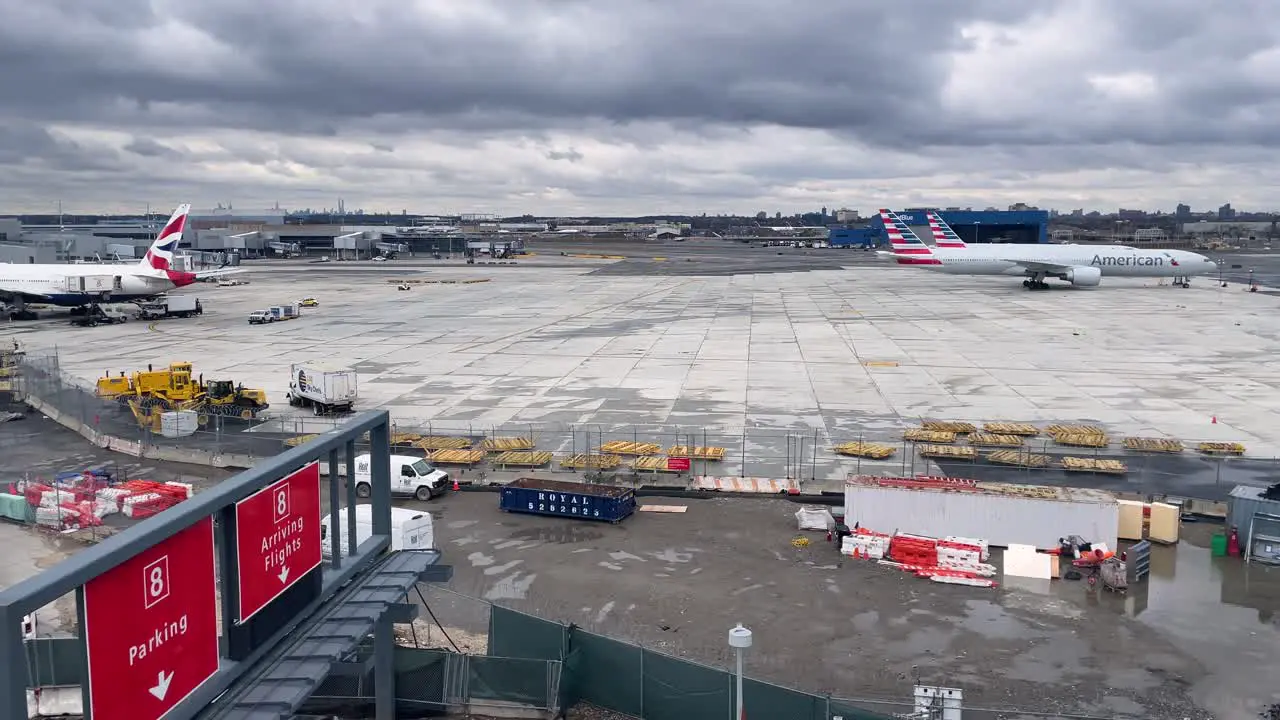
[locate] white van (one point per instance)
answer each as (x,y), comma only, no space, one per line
(409,476)
(410,530)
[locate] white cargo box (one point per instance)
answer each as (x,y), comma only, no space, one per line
(324,383)
(93,284)
(1003,518)
(180,423)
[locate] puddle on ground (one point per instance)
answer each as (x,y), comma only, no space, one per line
(558,535)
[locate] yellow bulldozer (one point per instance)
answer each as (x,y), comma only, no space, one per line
(174,388)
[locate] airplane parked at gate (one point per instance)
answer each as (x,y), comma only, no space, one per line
(1082,265)
(90,284)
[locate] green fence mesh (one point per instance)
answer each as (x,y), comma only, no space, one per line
(514,634)
(772,701)
(516,680)
(604,672)
(675,689)
(54,661)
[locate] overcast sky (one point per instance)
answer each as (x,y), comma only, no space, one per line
(646,106)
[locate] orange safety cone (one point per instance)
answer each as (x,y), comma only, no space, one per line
(456,487)
(1214,421)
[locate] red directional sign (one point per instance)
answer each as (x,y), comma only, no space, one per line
(277,538)
(678,464)
(151,627)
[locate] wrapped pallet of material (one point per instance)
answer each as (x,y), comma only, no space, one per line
(15,507)
(816,518)
(180,423)
(54,498)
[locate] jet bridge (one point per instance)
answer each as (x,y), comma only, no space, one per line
(264,655)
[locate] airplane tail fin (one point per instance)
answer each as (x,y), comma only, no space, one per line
(943,235)
(908,248)
(159,256)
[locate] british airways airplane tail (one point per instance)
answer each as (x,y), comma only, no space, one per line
(159,257)
(943,235)
(908,248)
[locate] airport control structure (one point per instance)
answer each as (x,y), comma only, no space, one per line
(973,226)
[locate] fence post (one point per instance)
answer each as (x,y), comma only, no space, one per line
(743,472)
(642,682)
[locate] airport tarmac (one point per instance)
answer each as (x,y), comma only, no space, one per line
(849,348)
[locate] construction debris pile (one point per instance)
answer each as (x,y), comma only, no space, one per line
(953,560)
(82,499)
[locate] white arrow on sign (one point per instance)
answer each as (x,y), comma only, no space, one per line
(284,575)
(162,685)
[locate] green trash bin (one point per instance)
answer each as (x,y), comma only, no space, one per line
(1218,545)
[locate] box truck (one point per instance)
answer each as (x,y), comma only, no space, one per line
(410,530)
(176,306)
(325,388)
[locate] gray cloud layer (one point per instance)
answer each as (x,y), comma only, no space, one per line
(570,106)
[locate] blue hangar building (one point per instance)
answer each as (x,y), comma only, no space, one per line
(973,226)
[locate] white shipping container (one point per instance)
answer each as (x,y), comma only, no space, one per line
(180,423)
(1001,519)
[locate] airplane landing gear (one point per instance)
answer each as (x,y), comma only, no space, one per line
(1036,282)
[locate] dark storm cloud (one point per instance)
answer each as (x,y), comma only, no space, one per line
(146,147)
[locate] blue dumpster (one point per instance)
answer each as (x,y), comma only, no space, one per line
(567,499)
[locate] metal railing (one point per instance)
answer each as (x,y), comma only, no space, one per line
(219,502)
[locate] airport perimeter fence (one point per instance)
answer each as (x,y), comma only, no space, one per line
(637,454)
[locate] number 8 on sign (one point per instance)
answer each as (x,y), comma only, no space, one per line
(280,504)
(155,580)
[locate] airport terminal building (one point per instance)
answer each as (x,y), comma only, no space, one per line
(973,226)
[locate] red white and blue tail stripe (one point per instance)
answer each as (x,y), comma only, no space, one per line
(160,255)
(908,248)
(943,235)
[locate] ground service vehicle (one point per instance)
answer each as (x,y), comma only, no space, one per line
(95,315)
(174,388)
(326,388)
(176,306)
(410,530)
(413,476)
(261,317)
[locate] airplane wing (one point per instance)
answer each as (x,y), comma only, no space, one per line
(1039,265)
(220,272)
(8,296)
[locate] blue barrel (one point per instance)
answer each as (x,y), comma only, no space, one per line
(566,499)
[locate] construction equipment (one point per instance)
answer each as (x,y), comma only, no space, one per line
(174,388)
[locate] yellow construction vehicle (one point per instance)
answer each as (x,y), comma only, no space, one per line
(222,397)
(174,388)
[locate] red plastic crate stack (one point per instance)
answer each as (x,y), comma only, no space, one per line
(914,550)
(169,495)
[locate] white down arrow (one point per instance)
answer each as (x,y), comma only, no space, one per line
(162,685)
(284,576)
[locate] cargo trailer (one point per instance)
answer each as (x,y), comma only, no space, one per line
(326,388)
(566,499)
(1002,514)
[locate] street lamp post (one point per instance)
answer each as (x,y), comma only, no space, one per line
(739,640)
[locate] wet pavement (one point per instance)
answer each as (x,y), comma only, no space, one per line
(1200,636)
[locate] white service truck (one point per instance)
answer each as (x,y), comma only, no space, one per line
(176,306)
(412,476)
(410,530)
(325,388)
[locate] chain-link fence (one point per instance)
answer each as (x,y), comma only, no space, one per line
(639,453)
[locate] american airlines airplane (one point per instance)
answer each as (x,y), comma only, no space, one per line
(1081,265)
(89,284)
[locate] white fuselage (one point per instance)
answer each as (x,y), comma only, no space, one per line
(1114,261)
(49,283)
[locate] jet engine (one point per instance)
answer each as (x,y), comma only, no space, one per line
(1083,276)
